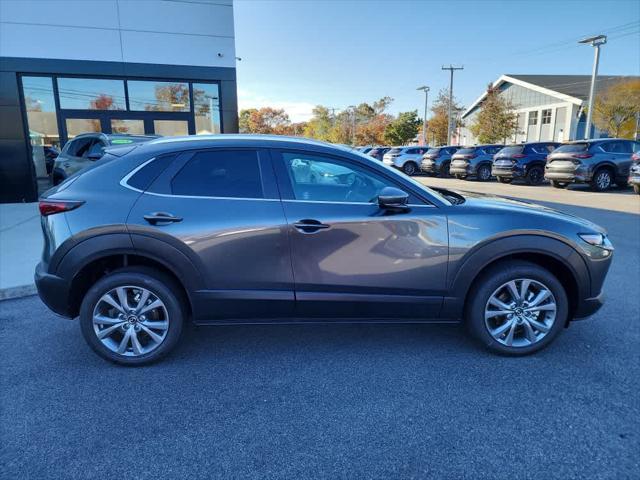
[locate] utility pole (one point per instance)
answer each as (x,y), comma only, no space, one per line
(595,42)
(451,69)
(424,122)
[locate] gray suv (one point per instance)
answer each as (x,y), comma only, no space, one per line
(234,229)
(437,160)
(406,159)
(82,150)
(600,163)
(474,162)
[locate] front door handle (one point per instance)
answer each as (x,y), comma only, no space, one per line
(161,217)
(310,226)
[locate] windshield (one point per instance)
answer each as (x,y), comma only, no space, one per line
(395,150)
(433,151)
(572,148)
(511,150)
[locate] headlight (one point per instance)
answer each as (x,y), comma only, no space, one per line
(595,239)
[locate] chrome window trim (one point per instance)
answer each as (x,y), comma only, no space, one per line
(351,203)
(125,180)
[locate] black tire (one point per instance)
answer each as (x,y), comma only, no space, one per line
(444,170)
(504,180)
(557,184)
(483,174)
(636,189)
(410,168)
(162,286)
(602,180)
(491,280)
(535,175)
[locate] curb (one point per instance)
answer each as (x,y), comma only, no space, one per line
(18,292)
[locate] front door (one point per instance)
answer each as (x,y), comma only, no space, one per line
(349,257)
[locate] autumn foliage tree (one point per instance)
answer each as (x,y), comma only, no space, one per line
(439,121)
(265,120)
(496,120)
(615,110)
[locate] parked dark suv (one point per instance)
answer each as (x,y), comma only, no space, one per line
(474,162)
(525,161)
(82,150)
(634,172)
(600,163)
(236,229)
(437,160)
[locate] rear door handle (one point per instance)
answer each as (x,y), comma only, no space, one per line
(161,217)
(310,225)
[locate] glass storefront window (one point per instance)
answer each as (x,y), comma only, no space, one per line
(158,96)
(171,128)
(76,126)
(43,126)
(131,127)
(206,105)
(91,94)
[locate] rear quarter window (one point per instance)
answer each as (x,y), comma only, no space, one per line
(231,173)
(144,177)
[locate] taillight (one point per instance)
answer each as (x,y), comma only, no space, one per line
(635,157)
(50,207)
(519,155)
(582,155)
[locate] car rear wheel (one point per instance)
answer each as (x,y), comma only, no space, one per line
(132,316)
(410,168)
(517,308)
(504,180)
(535,175)
(602,180)
(484,173)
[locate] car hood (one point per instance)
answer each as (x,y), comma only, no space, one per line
(494,202)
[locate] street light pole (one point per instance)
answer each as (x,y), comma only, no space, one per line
(424,122)
(595,42)
(451,69)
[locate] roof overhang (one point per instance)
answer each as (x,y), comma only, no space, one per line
(522,83)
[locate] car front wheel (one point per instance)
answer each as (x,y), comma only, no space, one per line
(132,316)
(517,308)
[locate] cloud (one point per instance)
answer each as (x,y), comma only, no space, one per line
(297,111)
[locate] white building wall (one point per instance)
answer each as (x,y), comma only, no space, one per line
(176,32)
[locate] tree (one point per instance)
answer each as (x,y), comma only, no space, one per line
(102,102)
(320,125)
(496,121)
(403,128)
(265,120)
(174,96)
(615,110)
(439,121)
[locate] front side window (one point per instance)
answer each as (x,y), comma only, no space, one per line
(230,173)
(546,116)
(322,179)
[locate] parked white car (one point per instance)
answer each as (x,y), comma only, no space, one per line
(407,159)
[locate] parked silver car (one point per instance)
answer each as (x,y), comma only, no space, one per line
(406,159)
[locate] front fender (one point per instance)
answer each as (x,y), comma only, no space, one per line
(463,274)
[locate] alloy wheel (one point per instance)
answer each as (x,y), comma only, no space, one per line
(484,173)
(603,180)
(409,168)
(130,321)
(520,312)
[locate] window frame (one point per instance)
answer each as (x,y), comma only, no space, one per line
(283,178)
(547,114)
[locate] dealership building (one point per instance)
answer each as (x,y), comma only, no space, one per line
(549,107)
(164,67)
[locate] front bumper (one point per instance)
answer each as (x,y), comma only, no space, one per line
(53,291)
(589,306)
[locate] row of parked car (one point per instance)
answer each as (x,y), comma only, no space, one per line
(600,162)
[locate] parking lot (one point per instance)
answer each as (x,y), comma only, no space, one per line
(337,401)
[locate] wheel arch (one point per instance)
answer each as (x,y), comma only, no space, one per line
(555,255)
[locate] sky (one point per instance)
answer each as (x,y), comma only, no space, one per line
(297,54)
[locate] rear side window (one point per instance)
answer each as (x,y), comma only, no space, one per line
(231,173)
(147,174)
(79,147)
(617,147)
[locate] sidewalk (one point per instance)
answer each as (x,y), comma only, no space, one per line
(20,248)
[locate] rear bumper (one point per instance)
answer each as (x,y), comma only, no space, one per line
(634,180)
(430,167)
(572,175)
(513,172)
(53,291)
(466,169)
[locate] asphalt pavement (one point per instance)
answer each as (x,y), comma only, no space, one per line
(330,401)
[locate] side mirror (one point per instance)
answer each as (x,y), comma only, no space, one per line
(95,156)
(393,199)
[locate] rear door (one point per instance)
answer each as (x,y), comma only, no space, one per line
(350,258)
(223,210)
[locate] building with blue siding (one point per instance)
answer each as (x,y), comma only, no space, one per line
(549,107)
